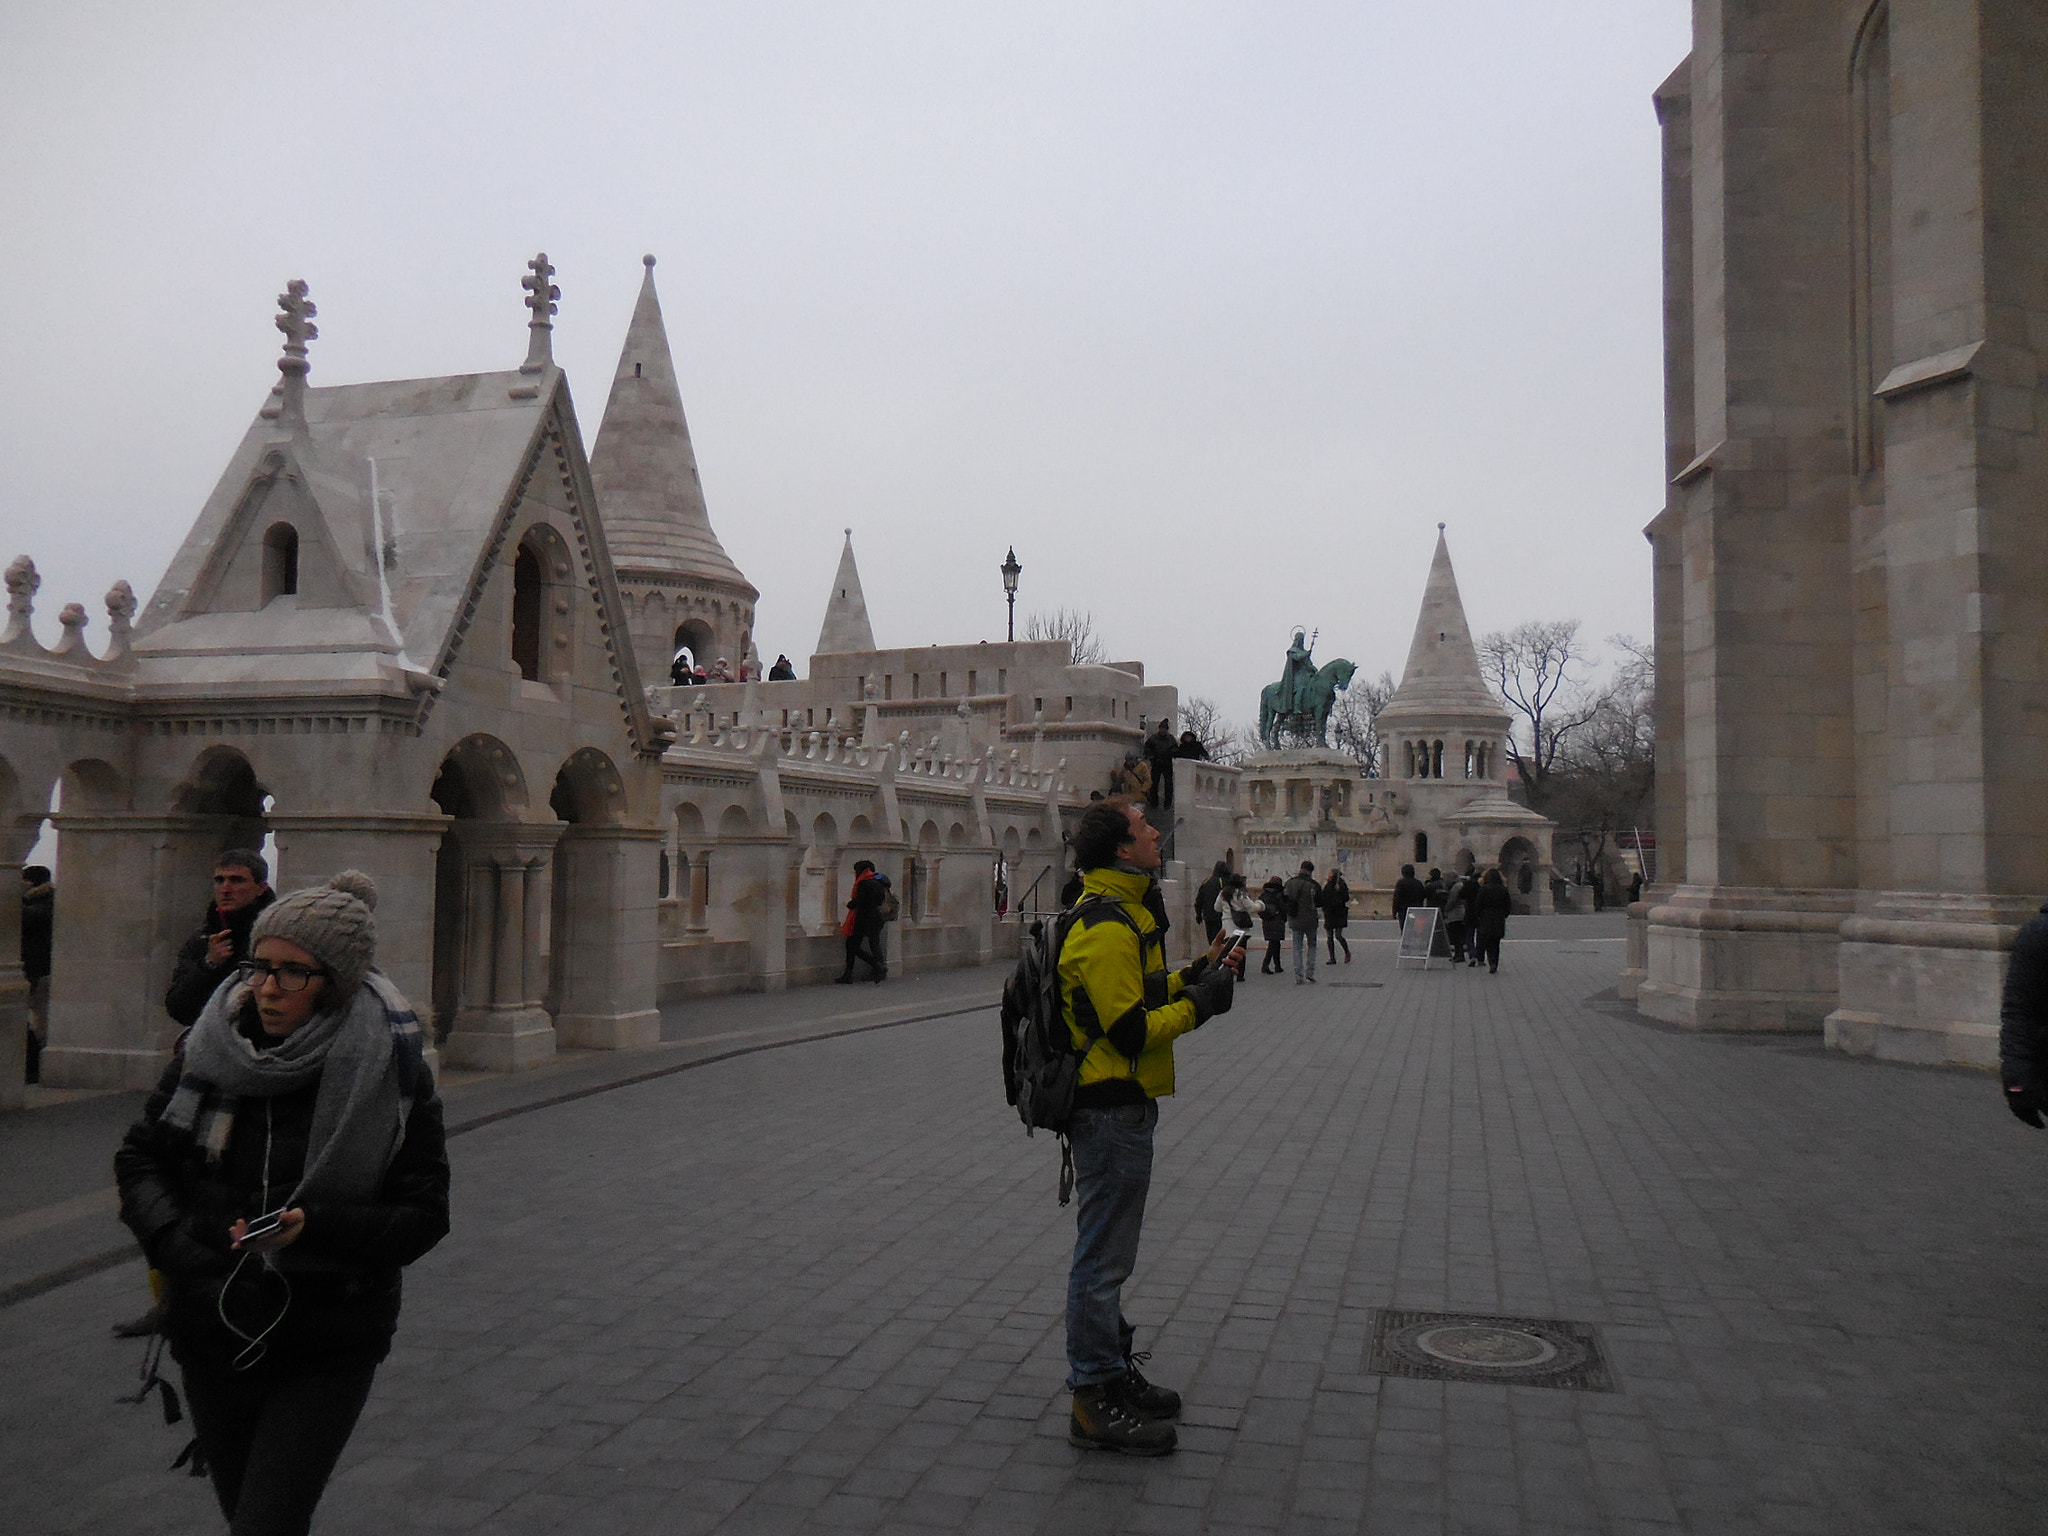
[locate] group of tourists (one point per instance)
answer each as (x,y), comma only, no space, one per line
(1475,911)
(1297,907)
(684,673)
(1147,774)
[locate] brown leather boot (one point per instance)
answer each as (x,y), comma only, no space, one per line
(1103,1421)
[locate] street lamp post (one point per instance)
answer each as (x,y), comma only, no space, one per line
(1011,570)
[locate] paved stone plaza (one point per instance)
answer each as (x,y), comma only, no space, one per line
(822,1289)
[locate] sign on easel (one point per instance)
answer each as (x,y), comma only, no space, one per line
(1418,937)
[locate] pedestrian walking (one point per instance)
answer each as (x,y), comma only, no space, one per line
(1205,900)
(1490,909)
(1408,893)
(1160,751)
(38,930)
(241,893)
(1457,916)
(299,1096)
(1303,894)
(1236,909)
(1124,1009)
(1272,923)
(862,926)
(2023,1022)
(1336,909)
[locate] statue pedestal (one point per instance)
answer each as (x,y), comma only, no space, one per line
(1311,803)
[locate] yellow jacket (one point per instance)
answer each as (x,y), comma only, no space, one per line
(1113,978)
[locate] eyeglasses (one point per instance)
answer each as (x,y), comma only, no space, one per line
(289,977)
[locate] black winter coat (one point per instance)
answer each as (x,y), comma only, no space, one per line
(1273,915)
(193,981)
(38,916)
(1491,908)
(2023,1010)
(1336,903)
(180,1206)
(1408,892)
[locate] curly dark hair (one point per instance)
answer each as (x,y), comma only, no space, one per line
(1103,828)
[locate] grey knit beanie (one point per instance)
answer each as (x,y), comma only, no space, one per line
(330,922)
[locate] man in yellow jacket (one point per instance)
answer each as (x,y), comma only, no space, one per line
(1124,1010)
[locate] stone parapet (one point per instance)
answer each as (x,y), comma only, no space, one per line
(1743,958)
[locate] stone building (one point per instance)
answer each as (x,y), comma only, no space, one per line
(1442,799)
(413,630)
(1851,590)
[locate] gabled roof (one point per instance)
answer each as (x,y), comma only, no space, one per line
(645,468)
(451,459)
(1442,676)
(846,626)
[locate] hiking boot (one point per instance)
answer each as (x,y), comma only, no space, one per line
(1104,1421)
(1144,1397)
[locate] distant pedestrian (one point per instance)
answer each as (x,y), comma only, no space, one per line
(1071,891)
(1160,751)
(1235,907)
(1205,900)
(38,927)
(679,673)
(721,671)
(300,1095)
(241,893)
(862,927)
(1408,893)
(1336,907)
(1635,887)
(1303,894)
(1273,923)
(1490,909)
(2023,1022)
(784,670)
(1457,918)
(1190,746)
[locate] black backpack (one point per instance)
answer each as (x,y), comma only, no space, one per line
(1041,1068)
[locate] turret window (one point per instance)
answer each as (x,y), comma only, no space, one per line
(280,561)
(527,592)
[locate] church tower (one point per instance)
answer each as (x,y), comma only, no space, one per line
(680,587)
(1444,736)
(846,626)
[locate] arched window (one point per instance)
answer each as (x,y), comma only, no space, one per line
(1422,847)
(527,591)
(1409,748)
(280,561)
(1436,760)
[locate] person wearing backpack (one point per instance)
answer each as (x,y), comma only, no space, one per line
(1123,1009)
(862,928)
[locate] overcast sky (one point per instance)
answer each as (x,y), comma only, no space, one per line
(1213,310)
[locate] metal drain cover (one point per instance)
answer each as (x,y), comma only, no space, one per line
(1467,1346)
(1357,983)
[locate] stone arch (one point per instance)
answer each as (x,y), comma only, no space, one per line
(928,834)
(694,636)
(480,779)
(860,830)
(1012,843)
(221,782)
(824,831)
(91,784)
(1518,867)
(689,821)
(541,606)
(280,561)
(735,822)
(956,835)
(1422,847)
(588,790)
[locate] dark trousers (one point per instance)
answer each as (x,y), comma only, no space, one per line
(863,946)
(1337,937)
(1272,961)
(1455,932)
(1112,1175)
(1487,946)
(271,1440)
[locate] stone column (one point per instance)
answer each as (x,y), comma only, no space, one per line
(604,951)
(500,1020)
(13,987)
(116,906)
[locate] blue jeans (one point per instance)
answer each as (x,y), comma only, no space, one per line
(1112,1173)
(1304,943)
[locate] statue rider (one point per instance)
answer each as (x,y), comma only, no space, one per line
(1294,679)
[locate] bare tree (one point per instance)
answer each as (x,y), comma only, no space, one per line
(1601,782)
(1073,625)
(1224,742)
(1354,721)
(1536,669)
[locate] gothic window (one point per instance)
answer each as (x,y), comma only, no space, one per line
(280,561)
(1436,760)
(1422,847)
(1471,758)
(528,591)
(541,605)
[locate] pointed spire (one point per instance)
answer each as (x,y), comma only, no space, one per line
(1442,675)
(295,318)
(644,467)
(846,626)
(541,294)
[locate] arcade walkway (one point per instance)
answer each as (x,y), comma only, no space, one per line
(818,1288)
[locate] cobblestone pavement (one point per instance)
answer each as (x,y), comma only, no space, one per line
(819,1289)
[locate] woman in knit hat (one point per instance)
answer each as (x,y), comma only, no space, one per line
(301,1090)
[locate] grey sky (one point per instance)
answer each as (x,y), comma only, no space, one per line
(1244,298)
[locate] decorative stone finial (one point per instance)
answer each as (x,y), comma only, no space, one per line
(120,617)
(1439,527)
(22,582)
(71,620)
(541,295)
(647,262)
(295,319)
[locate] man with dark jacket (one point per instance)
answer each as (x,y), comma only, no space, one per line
(1123,1009)
(2023,1022)
(38,920)
(1160,751)
(1408,892)
(241,890)
(1490,909)
(1206,895)
(1304,899)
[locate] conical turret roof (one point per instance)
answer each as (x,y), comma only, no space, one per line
(846,626)
(1442,676)
(644,468)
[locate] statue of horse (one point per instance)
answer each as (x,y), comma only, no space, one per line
(1308,725)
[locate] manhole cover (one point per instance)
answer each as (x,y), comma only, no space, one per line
(1358,983)
(1463,1346)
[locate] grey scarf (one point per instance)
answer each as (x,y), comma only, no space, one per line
(351,1053)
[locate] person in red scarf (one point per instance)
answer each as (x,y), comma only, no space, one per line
(863,926)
